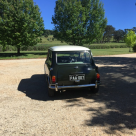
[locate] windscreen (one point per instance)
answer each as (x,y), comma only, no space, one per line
(73,57)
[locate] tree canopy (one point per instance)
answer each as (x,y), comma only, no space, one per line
(21,24)
(47,32)
(130,38)
(78,22)
(119,35)
(108,33)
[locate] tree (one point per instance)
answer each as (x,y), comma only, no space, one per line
(134,29)
(109,31)
(47,32)
(78,22)
(130,39)
(119,35)
(21,24)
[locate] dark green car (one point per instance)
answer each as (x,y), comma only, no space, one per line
(70,67)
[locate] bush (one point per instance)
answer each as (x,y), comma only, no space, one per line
(102,46)
(134,48)
(30,48)
(43,47)
(0,48)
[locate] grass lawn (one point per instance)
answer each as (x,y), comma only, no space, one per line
(43,54)
(113,51)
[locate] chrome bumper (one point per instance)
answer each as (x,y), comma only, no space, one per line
(56,87)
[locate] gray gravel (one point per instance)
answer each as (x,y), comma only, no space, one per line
(26,109)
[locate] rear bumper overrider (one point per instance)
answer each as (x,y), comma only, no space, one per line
(56,87)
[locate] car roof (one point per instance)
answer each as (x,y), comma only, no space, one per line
(68,48)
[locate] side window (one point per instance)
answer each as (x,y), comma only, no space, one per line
(49,58)
(85,57)
(82,56)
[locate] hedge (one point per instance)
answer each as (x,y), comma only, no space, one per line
(106,46)
(43,47)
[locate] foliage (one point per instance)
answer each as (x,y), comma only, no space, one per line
(43,47)
(134,29)
(102,46)
(119,35)
(20,23)
(134,48)
(108,33)
(78,21)
(47,32)
(130,38)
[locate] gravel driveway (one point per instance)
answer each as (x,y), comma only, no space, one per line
(26,109)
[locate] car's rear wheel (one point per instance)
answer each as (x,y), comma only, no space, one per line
(51,92)
(94,90)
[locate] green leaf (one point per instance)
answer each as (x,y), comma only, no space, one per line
(21,23)
(78,22)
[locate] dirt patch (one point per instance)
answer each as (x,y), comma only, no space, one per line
(26,109)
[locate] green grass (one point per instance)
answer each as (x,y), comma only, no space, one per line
(50,41)
(43,54)
(114,51)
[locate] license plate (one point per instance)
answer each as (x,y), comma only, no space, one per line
(76,77)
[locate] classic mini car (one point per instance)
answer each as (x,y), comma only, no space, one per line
(71,67)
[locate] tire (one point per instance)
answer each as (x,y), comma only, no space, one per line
(94,90)
(51,92)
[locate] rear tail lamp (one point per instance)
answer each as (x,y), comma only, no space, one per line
(98,76)
(53,79)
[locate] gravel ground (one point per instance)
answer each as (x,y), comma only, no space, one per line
(26,109)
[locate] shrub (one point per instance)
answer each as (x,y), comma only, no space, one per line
(102,46)
(134,48)
(24,48)
(43,47)
(0,48)
(30,48)
(35,48)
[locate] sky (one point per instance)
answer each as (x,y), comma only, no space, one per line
(121,14)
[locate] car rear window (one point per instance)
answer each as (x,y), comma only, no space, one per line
(73,57)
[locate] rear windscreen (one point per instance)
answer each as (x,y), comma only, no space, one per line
(72,57)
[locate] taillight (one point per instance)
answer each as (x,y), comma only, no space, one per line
(53,79)
(98,76)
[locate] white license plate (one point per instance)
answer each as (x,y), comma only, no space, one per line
(76,77)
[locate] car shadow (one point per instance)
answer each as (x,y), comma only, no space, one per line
(36,88)
(117,93)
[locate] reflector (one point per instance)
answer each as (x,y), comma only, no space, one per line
(53,79)
(98,76)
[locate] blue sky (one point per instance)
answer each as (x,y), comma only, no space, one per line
(121,14)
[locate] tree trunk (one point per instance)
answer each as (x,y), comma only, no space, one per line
(18,50)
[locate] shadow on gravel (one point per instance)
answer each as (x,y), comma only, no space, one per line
(36,88)
(117,93)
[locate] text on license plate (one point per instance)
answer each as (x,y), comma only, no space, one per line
(76,77)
